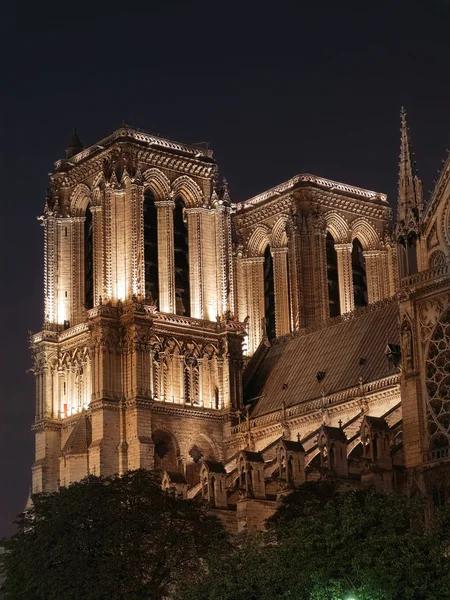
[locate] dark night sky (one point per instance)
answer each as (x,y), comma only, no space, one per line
(276,89)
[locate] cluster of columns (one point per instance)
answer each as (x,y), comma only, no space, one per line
(301,280)
(118,255)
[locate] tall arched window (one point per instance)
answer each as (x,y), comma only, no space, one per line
(269,295)
(412,253)
(88,260)
(359,275)
(181,251)
(333,280)
(151,247)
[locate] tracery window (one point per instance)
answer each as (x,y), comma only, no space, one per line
(438,388)
(437,259)
(88,260)
(333,280)
(359,275)
(181,250)
(151,247)
(269,295)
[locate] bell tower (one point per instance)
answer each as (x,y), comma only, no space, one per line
(139,359)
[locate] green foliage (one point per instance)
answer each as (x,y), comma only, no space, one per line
(325,545)
(108,537)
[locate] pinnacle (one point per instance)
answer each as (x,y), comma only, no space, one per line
(75,146)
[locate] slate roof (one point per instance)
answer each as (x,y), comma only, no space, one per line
(293,446)
(377,422)
(80,438)
(335,433)
(288,371)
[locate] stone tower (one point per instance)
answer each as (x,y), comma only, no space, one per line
(139,339)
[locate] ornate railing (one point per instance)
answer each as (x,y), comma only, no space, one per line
(428,275)
(437,455)
(139,136)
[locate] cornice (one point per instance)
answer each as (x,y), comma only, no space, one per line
(321,182)
(326,199)
(69,173)
(46,425)
(193,412)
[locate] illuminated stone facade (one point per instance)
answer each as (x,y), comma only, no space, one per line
(240,349)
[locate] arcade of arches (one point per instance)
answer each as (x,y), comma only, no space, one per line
(239,349)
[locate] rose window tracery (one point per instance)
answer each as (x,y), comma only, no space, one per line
(438,385)
(437,259)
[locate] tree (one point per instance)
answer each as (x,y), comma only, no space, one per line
(367,545)
(325,543)
(108,537)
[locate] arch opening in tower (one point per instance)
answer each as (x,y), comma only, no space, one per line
(269,295)
(333,279)
(151,248)
(411,252)
(88,260)
(181,252)
(359,275)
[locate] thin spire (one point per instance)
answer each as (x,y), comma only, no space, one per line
(409,201)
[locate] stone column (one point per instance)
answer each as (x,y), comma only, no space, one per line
(280,272)
(98,253)
(166,257)
(240,306)
(107,265)
(319,269)
(78,258)
(254,282)
(224,261)
(195,243)
(374,275)
(344,264)
(294,259)
(137,228)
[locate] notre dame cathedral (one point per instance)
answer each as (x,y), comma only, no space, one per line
(241,349)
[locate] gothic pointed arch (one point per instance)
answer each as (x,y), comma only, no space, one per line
(258,241)
(156,181)
(338,227)
(366,234)
(188,191)
(79,200)
(279,235)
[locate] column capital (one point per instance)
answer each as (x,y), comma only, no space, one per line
(347,246)
(279,250)
(253,260)
(167,202)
